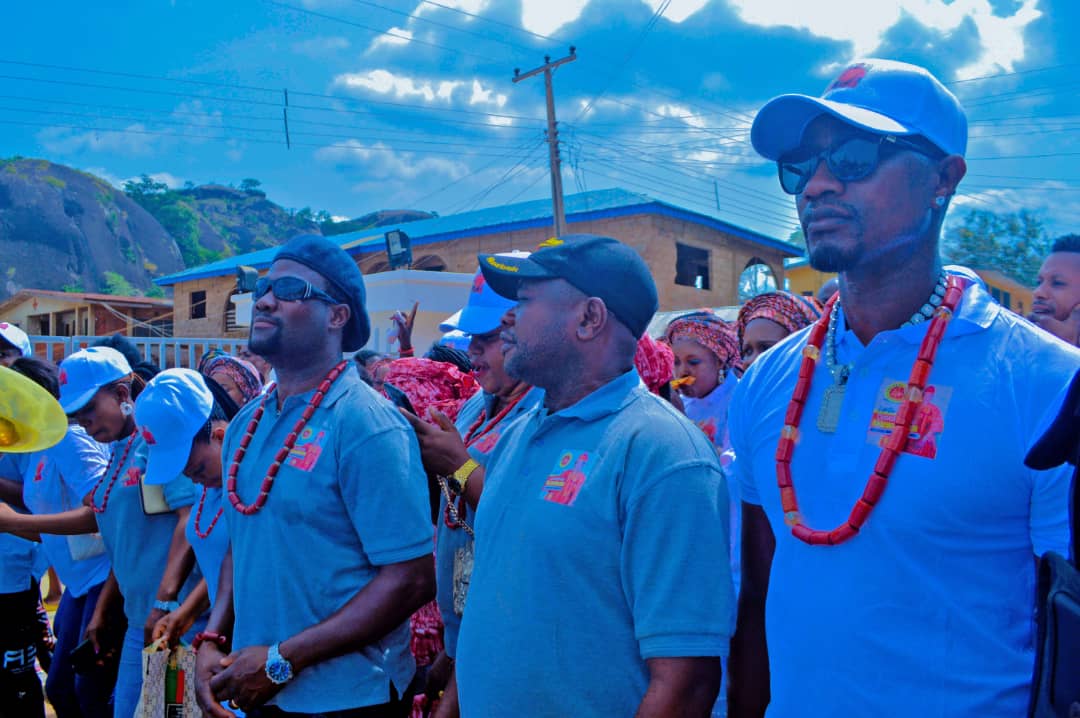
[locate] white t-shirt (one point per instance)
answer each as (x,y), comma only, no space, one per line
(928,611)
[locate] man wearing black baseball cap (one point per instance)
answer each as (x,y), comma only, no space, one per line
(328,515)
(890,528)
(600,508)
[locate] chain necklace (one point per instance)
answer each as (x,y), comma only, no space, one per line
(828,417)
(891,447)
(283,452)
(108,489)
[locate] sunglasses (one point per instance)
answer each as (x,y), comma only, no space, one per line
(292,289)
(849,161)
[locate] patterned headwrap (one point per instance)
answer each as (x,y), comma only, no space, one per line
(655,362)
(243,373)
(708,330)
(430,383)
(790,311)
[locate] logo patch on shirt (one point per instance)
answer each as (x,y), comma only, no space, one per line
(309,445)
(565,481)
(39,470)
(132,476)
(487,442)
(927,424)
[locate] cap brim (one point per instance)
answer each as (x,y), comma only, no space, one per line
(481,320)
(450,324)
(505,273)
(71,404)
(164,464)
(779,125)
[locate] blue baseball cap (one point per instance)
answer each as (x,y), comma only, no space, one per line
(879,96)
(600,267)
(83,373)
(169,412)
(485,308)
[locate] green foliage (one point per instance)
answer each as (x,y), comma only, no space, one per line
(116,284)
(250,184)
(1014,244)
(156,292)
(73,288)
(56,182)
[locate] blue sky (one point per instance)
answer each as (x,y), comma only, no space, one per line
(410,104)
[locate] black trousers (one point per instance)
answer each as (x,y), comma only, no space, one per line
(20,632)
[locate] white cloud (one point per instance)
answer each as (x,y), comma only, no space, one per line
(678,10)
(399,37)
(482,96)
(317,47)
(865,23)
(384,82)
(131,140)
(380,161)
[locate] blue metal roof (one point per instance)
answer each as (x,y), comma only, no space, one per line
(583,207)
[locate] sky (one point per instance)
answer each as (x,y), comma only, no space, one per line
(411,104)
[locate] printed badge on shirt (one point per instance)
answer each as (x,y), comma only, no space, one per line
(564,482)
(309,446)
(926,426)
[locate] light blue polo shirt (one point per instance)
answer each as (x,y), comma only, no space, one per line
(928,610)
(351,497)
(210,551)
(56,480)
(137,544)
(448,542)
(19,560)
(601,541)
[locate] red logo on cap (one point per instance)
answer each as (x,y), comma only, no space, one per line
(133,476)
(4,325)
(849,78)
(148,436)
(478,284)
(63,377)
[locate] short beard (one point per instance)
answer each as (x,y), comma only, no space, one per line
(266,347)
(835,260)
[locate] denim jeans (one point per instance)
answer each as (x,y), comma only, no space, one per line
(77,694)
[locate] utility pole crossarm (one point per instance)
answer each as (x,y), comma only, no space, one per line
(552,134)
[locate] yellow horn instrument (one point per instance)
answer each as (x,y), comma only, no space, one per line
(30,418)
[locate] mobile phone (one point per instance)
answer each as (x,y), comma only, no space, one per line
(83,658)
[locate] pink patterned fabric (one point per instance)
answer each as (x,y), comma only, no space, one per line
(431,384)
(655,362)
(708,330)
(790,311)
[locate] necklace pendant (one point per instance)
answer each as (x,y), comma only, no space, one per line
(828,418)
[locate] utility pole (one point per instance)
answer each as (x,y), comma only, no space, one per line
(552,135)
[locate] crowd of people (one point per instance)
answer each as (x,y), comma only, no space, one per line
(573,518)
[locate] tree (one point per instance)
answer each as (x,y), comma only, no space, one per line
(250,184)
(1014,244)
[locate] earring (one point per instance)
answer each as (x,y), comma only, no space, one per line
(127,408)
(939,201)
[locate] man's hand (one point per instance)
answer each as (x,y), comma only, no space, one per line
(404,326)
(208,662)
(1067,329)
(7,517)
(243,679)
(441,446)
(156,614)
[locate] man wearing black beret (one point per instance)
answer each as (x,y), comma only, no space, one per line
(327,516)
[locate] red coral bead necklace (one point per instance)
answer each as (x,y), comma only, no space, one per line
(198,517)
(116,473)
(891,447)
(283,452)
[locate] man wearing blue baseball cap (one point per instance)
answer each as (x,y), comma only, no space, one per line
(596,590)
(327,514)
(13,344)
(459,452)
(887,514)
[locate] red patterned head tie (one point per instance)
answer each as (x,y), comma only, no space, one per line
(708,330)
(655,363)
(148,437)
(790,311)
(431,384)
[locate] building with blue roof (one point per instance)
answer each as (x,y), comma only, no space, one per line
(696,258)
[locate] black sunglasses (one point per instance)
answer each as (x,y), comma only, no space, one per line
(292,289)
(851,160)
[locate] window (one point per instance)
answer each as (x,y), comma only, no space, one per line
(756,278)
(1006,299)
(691,266)
(198,305)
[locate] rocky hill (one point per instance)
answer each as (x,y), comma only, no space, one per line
(64,229)
(61,228)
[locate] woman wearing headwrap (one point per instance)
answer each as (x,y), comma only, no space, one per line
(767,318)
(240,379)
(706,351)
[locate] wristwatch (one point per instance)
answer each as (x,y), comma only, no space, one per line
(166,606)
(278,669)
(461,476)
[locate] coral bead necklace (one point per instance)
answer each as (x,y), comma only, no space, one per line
(283,452)
(891,447)
(112,480)
(198,517)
